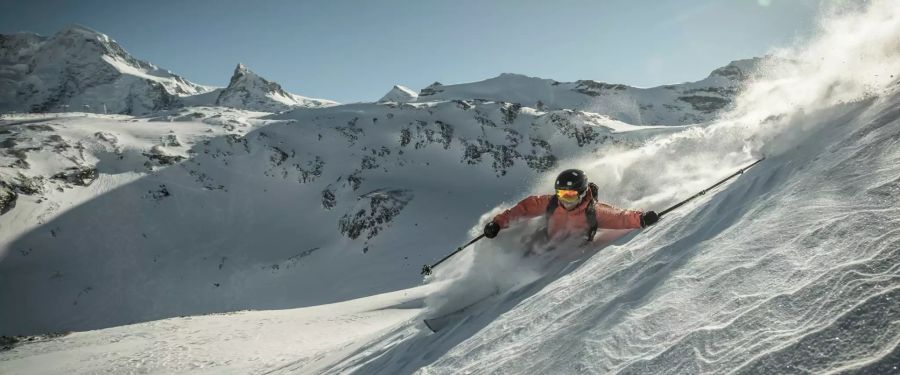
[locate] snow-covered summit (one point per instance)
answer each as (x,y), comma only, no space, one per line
(82,69)
(247,90)
(399,94)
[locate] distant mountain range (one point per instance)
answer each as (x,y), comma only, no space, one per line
(79,69)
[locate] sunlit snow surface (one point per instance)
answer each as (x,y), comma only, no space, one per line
(239,342)
(790,268)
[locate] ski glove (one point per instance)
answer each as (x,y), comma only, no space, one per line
(649,218)
(491,229)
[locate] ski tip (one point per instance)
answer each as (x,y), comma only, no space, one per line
(429,326)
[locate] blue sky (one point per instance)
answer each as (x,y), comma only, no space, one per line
(356,50)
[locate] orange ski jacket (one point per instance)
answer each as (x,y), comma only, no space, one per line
(564,223)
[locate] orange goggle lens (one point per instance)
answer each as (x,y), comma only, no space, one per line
(567,195)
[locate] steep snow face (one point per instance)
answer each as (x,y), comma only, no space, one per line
(81,69)
(249,91)
(399,94)
(679,104)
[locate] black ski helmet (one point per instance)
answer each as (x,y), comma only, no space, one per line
(572,179)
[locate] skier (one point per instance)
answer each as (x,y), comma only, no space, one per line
(573,210)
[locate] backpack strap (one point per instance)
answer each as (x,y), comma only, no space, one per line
(590,214)
(551,206)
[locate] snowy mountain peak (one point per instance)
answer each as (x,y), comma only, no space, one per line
(93,46)
(248,90)
(244,76)
(83,32)
(432,89)
(513,75)
(241,71)
(399,94)
(82,69)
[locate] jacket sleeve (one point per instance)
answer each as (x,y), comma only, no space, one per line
(609,217)
(533,206)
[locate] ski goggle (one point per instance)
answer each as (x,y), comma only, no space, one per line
(568,196)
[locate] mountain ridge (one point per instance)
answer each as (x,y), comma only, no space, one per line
(80,69)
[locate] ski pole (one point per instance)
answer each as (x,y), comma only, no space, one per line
(426,269)
(704,191)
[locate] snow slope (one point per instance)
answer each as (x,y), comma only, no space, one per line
(791,268)
(301,340)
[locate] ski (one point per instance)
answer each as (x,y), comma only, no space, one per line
(440,322)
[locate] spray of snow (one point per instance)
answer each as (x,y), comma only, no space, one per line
(490,267)
(854,57)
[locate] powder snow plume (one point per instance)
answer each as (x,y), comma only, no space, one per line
(854,57)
